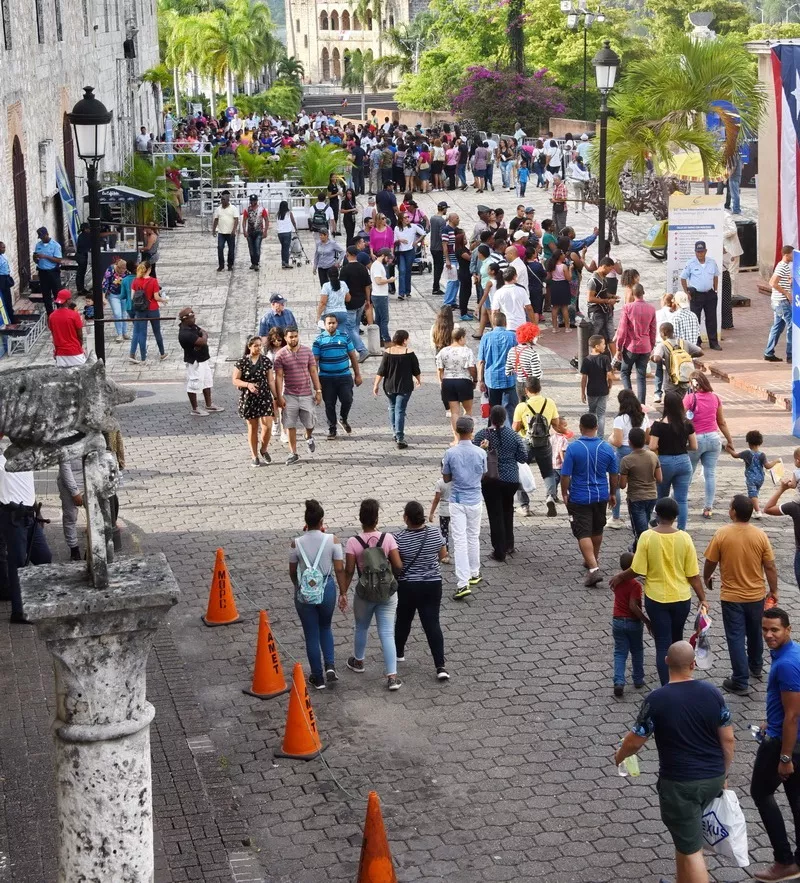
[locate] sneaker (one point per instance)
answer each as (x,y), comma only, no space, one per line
(657,398)
(126,337)
(524,511)
(330,673)
(441,674)
(345,426)
(551,507)
(772,358)
(461,592)
(118,339)
(393,682)
(292,458)
(616,524)
(363,357)
(730,687)
(402,445)
(777,872)
(593,577)
(475,580)
(163,356)
(640,686)
(284,438)
(355,664)
(318,683)
(619,690)
(467,317)
(133,360)
(214,409)
(311,444)
(256,461)
(401,658)
(19,619)
(708,513)
(265,456)
(331,436)
(757,514)
(757,675)
(196,413)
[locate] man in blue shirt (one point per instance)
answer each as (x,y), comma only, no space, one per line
(700,280)
(492,354)
(464,466)
(778,758)
(336,355)
(278,317)
(48,258)
(589,478)
(6,284)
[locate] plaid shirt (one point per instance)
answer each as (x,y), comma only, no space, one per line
(559,192)
(686,325)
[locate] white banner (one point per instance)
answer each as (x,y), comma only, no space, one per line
(693,218)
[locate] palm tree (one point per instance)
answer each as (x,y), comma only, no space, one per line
(363,9)
(679,87)
(361,69)
(409,41)
(291,69)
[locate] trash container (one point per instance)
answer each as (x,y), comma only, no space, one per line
(748,239)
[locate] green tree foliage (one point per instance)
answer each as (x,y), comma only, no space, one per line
(317,162)
(730,16)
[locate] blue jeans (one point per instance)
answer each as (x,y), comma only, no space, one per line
(797,566)
(316,622)
(461,171)
(254,246)
(507,397)
(451,291)
(489,175)
(622,451)
(380,307)
(707,453)
(384,613)
(640,512)
(667,622)
(398,402)
(783,319)
(659,378)
(597,405)
(404,261)
(285,240)
(676,471)
(628,639)
(139,338)
(505,172)
(224,239)
(629,362)
(742,622)
(734,184)
(115,302)
(351,324)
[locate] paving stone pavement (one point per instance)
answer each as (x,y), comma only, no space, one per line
(504,773)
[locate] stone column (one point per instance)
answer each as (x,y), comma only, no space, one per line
(100,640)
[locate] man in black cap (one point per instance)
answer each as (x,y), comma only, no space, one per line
(438,222)
(48,258)
(700,280)
(255,226)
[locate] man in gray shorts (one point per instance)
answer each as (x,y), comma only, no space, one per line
(299,391)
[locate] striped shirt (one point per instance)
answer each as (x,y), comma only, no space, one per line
(783,271)
(419,552)
(332,353)
(295,366)
(523,361)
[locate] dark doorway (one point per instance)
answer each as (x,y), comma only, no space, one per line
(21,212)
(69,153)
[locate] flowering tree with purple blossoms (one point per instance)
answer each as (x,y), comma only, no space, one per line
(496,100)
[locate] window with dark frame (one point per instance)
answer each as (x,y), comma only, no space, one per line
(59,26)
(39,20)
(85,8)
(6,16)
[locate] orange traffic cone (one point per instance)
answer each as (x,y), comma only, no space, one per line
(268,679)
(301,739)
(376,865)
(221,604)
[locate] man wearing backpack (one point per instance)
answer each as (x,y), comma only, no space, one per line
(532,420)
(321,220)
(677,357)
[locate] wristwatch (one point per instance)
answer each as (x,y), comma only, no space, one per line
(786,758)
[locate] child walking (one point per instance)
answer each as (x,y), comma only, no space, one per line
(755,465)
(560,437)
(441,498)
(596,380)
(627,628)
(640,473)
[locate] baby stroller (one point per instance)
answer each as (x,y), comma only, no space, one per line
(421,262)
(297,252)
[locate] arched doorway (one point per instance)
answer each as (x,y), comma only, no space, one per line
(323,21)
(337,66)
(326,65)
(345,21)
(334,21)
(21,212)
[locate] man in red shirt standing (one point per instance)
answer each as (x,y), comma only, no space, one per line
(66,326)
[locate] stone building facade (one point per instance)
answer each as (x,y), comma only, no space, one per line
(50,50)
(319,31)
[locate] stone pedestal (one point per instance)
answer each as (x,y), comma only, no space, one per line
(100,640)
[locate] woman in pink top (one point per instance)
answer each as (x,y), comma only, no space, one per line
(363,611)
(380,236)
(704,409)
(450,163)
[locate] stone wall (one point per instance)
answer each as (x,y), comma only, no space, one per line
(40,81)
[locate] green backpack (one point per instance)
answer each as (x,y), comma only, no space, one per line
(376,581)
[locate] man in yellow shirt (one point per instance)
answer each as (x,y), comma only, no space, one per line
(544,413)
(667,560)
(744,554)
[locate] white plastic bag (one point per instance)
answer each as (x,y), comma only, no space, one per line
(724,828)
(526,478)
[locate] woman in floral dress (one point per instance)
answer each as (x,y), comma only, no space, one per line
(254,378)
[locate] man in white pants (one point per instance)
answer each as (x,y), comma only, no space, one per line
(465,465)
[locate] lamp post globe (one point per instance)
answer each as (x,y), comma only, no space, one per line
(90,120)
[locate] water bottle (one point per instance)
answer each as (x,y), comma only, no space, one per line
(756,732)
(631,764)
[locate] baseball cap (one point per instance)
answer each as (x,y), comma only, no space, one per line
(584,137)
(529,209)
(483,208)
(700,245)
(63,296)
(253,197)
(443,205)
(520,234)
(41,231)
(277,299)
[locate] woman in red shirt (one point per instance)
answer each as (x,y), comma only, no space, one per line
(145,298)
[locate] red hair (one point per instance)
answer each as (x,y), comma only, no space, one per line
(527,332)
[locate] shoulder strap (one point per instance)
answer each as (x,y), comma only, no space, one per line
(424,533)
(544,405)
(379,544)
(302,552)
(320,550)
(363,544)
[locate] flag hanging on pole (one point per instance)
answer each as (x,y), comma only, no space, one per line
(786,83)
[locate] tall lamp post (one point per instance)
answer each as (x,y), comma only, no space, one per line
(90,120)
(573,16)
(606,65)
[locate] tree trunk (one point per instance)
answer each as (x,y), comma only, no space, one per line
(363,101)
(176,92)
(229,87)
(214,97)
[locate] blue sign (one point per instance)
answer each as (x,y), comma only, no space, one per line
(795,329)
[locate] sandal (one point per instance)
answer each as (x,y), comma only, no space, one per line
(707,513)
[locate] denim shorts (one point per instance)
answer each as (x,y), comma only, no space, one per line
(753,489)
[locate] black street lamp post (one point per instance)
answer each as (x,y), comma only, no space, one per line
(606,65)
(90,121)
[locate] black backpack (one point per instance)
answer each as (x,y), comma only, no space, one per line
(139,301)
(319,220)
(538,432)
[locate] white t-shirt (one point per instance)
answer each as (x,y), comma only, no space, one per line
(512,300)
(623,422)
(553,152)
(378,271)
(143,143)
(522,271)
(406,237)
(663,315)
(16,487)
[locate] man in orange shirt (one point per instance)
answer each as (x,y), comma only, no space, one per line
(66,326)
